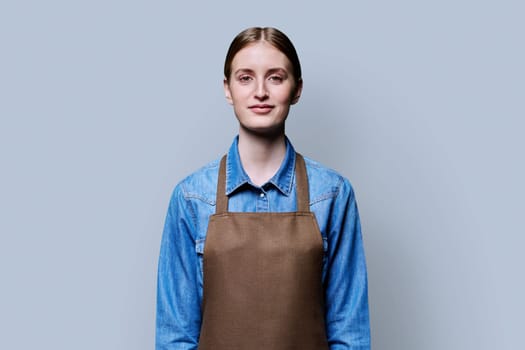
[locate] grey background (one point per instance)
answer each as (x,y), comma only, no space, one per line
(106,105)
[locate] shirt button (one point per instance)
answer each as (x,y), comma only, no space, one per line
(262,195)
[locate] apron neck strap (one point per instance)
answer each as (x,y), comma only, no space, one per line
(222,198)
(301,186)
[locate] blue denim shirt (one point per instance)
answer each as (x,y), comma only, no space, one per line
(332,200)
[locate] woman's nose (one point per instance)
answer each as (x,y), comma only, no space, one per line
(261,93)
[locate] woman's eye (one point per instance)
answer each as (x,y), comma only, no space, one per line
(244,78)
(276,78)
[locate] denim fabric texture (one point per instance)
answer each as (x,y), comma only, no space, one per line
(180,269)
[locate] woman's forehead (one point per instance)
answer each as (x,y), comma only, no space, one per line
(260,55)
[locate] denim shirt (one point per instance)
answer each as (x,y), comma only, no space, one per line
(332,200)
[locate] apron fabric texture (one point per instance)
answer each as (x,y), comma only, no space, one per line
(262,276)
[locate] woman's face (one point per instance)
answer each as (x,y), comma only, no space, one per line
(261,88)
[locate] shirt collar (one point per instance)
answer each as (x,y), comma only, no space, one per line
(237,177)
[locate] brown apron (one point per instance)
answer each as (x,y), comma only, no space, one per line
(262,277)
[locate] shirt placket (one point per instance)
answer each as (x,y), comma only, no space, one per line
(263,204)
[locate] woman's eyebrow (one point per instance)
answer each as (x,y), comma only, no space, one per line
(277,70)
(243,70)
(269,71)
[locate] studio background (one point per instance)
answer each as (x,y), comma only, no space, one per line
(106,105)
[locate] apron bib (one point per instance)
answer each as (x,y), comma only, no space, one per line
(262,277)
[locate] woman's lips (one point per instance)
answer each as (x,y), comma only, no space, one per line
(261,108)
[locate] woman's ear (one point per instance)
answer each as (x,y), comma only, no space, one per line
(297,92)
(227,91)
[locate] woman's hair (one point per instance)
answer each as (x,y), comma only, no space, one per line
(272,36)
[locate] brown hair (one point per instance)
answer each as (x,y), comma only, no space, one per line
(271,35)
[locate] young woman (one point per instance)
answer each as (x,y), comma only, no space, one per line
(262,249)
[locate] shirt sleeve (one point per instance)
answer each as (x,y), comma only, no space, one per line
(346,290)
(178,316)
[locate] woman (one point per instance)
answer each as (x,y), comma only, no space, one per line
(262,249)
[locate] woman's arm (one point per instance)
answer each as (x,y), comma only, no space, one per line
(346,291)
(178,305)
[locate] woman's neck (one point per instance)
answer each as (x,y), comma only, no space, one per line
(261,156)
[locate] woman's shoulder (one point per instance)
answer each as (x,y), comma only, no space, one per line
(325,182)
(201,184)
